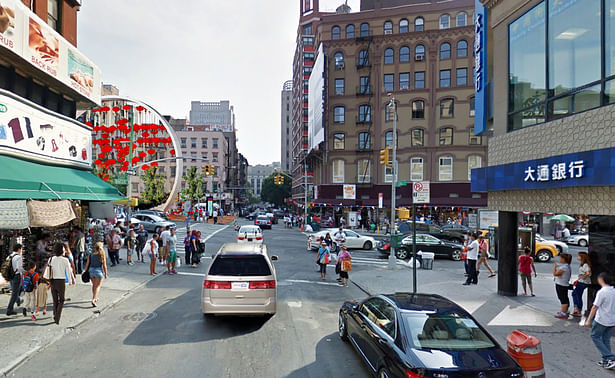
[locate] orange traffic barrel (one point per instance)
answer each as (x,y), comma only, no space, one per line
(526,350)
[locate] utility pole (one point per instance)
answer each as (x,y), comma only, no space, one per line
(392,257)
(305,193)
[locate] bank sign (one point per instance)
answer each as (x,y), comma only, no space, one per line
(480,68)
(589,168)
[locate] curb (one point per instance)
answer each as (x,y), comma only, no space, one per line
(363,289)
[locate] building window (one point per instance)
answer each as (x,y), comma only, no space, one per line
(308,57)
(365,113)
(419,52)
(364,30)
(173,171)
(53,14)
(215,143)
(445,51)
(339,114)
(447,108)
(203,142)
(349,31)
(364,171)
(339,86)
(135,188)
(404,80)
(339,141)
(445,21)
(365,142)
(183,143)
(462,49)
(462,77)
(417,138)
(418,109)
(472,106)
(338,171)
(419,24)
(474,162)
(336,32)
(474,139)
(403,25)
(364,85)
(388,139)
(204,156)
(389,85)
(404,54)
(192,142)
(307,71)
(461,19)
(445,168)
(416,169)
(307,41)
(307,29)
(214,157)
(389,56)
(419,80)
(446,136)
(388,27)
(339,61)
(193,156)
(363,58)
(445,78)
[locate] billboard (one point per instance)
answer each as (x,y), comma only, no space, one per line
(25,34)
(480,68)
(316,102)
(29,130)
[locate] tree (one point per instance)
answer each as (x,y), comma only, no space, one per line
(154,182)
(194,185)
(273,193)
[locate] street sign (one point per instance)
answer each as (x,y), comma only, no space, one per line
(380,200)
(131,172)
(420,192)
(401,183)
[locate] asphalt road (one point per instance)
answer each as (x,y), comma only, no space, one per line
(160,330)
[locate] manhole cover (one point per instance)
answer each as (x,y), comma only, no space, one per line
(140,316)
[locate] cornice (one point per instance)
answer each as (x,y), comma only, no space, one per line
(490,3)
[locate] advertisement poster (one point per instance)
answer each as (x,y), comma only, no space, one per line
(28,129)
(350,191)
(81,73)
(10,26)
(43,47)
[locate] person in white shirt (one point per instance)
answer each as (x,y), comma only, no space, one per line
(164,250)
(151,250)
(472,257)
(340,237)
(602,320)
(17,266)
(59,268)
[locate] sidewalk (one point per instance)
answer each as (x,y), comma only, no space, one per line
(567,348)
(23,337)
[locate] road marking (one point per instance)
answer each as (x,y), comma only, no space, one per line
(215,232)
(312,282)
(297,304)
(191,274)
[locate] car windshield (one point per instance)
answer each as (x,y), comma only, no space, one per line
(249,230)
(445,331)
(263,218)
(239,265)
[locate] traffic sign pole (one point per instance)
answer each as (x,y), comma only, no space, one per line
(420,194)
(392,257)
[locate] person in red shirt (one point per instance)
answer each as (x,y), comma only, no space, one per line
(30,283)
(526,265)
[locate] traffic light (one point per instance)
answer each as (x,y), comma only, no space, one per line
(281,180)
(209,170)
(384,156)
(205,170)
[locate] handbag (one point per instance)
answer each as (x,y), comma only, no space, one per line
(346,265)
(85,276)
(48,273)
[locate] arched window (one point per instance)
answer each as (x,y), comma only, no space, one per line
(416,168)
(418,109)
(461,19)
(419,52)
(364,32)
(339,60)
(363,58)
(349,31)
(445,21)
(404,54)
(445,168)
(389,56)
(419,24)
(365,114)
(403,25)
(462,49)
(336,32)
(417,137)
(446,136)
(388,139)
(445,51)
(447,108)
(388,27)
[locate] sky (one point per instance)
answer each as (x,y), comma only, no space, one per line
(167,55)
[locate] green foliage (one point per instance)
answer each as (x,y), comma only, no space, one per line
(194,185)
(273,193)
(154,192)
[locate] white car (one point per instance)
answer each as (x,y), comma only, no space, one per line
(580,240)
(561,246)
(250,234)
(353,240)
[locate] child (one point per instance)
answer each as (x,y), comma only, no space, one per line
(602,320)
(29,284)
(526,265)
(41,296)
(561,274)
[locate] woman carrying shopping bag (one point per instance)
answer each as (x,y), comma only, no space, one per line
(345,261)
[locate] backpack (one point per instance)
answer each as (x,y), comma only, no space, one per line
(7,268)
(28,283)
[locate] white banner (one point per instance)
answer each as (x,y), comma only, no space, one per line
(27,129)
(350,192)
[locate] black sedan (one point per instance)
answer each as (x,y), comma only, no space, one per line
(421,335)
(424,243)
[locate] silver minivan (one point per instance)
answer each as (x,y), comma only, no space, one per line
(241,280)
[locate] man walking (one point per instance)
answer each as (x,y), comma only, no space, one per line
(142,236)
(164,251)
(603,316)
(215,215)
(472,258)
(17,267)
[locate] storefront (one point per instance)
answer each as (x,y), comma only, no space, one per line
(550,69)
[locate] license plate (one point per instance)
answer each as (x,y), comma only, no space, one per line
(249,239)
(239,286)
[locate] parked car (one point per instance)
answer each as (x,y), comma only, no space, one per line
(241,280)
(425,243)
(353,240)
(561,246)
(421,335)
(263,221)
(544,251)
(327,223)
(159,213)
(273,218)
(581,240)
(151,223)
(250,234)
(457,227)
(453,235)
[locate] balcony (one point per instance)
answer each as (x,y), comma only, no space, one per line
(364,37)
(363,63)
(363,120)
(364,90)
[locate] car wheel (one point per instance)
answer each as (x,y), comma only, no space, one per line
(342,331)
(157,230)
(402,253)
(543,255)
(368,245)
(583,243)
(384,373)
(334,247)
(456,240)
(456,255)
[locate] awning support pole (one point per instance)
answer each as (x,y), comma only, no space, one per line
(52,191)
(95,195)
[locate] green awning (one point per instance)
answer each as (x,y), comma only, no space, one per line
(22,179)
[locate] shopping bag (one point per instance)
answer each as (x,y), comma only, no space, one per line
(346,265)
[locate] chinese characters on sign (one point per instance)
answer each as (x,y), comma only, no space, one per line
(478,53)
(555,172)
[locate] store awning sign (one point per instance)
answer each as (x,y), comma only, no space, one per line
(480,68)
(350,192)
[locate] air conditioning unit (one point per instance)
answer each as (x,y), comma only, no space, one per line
(388,32)
(419,57)
(339,66)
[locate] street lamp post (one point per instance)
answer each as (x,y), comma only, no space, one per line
(392,257)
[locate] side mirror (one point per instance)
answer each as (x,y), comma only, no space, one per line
(274,258)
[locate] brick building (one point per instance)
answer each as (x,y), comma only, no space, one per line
(285,124)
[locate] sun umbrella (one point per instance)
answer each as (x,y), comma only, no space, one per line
(562,217)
